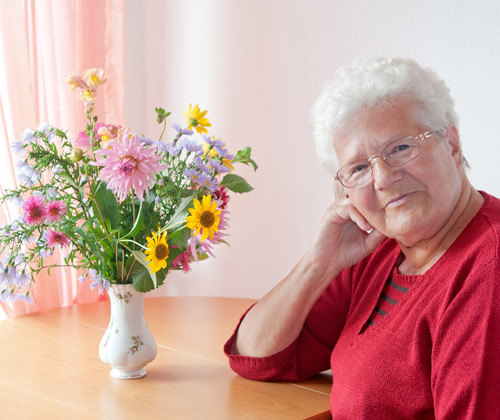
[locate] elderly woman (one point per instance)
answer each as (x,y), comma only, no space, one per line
(399,290)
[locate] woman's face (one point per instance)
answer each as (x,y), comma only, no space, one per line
(412,202)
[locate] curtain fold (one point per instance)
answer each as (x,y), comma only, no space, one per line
(41,42)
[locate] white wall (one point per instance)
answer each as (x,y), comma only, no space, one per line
(258,65)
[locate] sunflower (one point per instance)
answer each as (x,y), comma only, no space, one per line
(157,251)
(205,216)
(196,119)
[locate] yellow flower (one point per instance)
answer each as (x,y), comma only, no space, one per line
(228,163)
(205,217)
(207,148)
(93,78)
(74,80)
(157,251)
(88,95)
(197,120)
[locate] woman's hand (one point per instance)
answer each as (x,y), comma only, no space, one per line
(342,238)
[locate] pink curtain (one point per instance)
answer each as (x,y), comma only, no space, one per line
(41,42)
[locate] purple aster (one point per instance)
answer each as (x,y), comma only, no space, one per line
(10,296)
(194,175)
(147,141)
(219,166)
(98,281)
(173,149)
(22,279)
(17,147)
(27,174)
(200,164)
(16,200)
(190,144)
(28,136)
(46,129)
(209,183)
(4,276)
(160,145)
(180,130)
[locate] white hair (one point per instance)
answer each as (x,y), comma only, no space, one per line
(378,82)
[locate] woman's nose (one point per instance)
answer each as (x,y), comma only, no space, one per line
(384,176)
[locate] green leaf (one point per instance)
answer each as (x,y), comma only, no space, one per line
(179,217)
(137,225)
(236,183)
(106,207)
(180,238)
(141,258)
(141,280)
(243,156)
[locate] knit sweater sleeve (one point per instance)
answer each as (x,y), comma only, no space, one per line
(465,358)
(310,353)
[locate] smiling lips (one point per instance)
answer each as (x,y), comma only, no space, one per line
(399,200)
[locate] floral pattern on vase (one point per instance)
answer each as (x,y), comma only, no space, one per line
(127,345)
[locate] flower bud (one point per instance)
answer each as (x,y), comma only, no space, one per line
(159,119)
(76,154)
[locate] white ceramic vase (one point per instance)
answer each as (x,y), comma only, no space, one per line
(127,345)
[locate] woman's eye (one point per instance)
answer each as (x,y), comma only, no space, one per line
(356,170)
(399,148)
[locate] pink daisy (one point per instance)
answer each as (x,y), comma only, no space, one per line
(57,238)
(129,164)
(35,210)
(56,210)
(182,260)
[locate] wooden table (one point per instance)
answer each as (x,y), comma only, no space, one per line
(50,368)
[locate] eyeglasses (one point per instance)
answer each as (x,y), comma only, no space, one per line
(396,153)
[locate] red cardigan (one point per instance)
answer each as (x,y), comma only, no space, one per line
(435,355)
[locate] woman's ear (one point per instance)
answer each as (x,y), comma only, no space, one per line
(453,140)
(339,191)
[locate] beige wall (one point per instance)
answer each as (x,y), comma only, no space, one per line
(257,66)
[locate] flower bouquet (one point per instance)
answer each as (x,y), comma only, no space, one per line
(115,205)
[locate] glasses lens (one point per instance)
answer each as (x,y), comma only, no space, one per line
(355,173)
(400,151)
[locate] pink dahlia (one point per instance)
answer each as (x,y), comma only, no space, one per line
(56,210)
(127,165)
(35,210)
(57,238)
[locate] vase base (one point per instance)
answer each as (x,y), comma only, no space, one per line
(127,374)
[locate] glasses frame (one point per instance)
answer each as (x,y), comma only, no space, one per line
(421,138)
